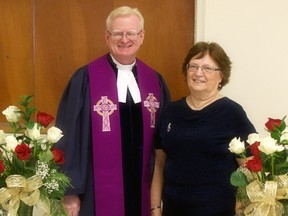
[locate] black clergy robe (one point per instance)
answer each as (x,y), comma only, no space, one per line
(74,119)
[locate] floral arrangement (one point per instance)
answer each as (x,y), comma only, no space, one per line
(262,180)
(29,175)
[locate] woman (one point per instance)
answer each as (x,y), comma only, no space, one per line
(193,164)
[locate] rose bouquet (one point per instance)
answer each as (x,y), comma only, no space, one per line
(29,172)
(262,180)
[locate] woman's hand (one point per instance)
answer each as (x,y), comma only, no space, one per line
(238,207)
(156,212)
(72,205)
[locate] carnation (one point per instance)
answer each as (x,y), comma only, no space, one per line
(29,171)
(264,175)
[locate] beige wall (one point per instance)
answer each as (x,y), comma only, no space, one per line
(255,36)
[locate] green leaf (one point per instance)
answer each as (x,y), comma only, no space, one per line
(26,100)
(30,110)
(238,179)
(281,169)
(47,156)
(18,165)
(30,125)
(276,134)
(282,126)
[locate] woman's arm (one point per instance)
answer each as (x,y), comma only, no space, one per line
(157,183)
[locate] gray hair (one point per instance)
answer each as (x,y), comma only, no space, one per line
(124,11)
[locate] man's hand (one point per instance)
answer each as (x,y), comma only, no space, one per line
(72,205)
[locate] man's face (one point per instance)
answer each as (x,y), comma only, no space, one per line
(124,38)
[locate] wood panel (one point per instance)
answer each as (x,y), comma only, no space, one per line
(169,34)
(43,42)
(16,52)
(69,34)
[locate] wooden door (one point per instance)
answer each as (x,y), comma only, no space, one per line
(43,42)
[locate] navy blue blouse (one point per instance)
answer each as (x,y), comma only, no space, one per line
(198,165)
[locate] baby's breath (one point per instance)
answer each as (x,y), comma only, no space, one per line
(42,169)
(51,186)
(26,153)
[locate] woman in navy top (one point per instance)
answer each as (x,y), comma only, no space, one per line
(193,164)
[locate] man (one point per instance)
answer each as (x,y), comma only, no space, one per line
(108,113)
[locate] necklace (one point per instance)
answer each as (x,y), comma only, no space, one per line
(203,103)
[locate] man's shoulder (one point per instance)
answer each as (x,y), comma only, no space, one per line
(143,64)
(103,58)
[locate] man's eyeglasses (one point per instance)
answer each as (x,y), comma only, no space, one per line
(205,68)
(129,35)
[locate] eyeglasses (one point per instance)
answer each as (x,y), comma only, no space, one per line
(132,35)
(205,68)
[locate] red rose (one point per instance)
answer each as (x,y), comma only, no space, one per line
(255,150)
(254,164)
(2,166)
(58,155)
(23,151)
(44,119)
(271,123)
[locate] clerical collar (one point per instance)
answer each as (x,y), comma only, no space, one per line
(119,65)
(125,81)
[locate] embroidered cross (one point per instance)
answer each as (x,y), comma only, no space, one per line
(151,104)
(105,108)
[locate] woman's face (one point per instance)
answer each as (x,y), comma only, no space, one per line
(206,81)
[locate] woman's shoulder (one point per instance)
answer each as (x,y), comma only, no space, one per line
(174,108)
(232,108)
(231,103)
(176,104)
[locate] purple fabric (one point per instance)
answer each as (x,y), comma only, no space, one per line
(107,150)
(148,83)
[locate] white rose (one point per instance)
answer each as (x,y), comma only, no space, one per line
(34,133)
(268,145)
(54,134)
(236,146)
(2,136)
(11,114)
(11,143)
(252,138)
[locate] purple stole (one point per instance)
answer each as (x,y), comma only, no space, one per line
(106,135)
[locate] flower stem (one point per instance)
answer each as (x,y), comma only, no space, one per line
(272,167)
(25,209)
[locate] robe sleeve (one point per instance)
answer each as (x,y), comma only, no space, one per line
(165,94)
(73,118)
(165,99)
